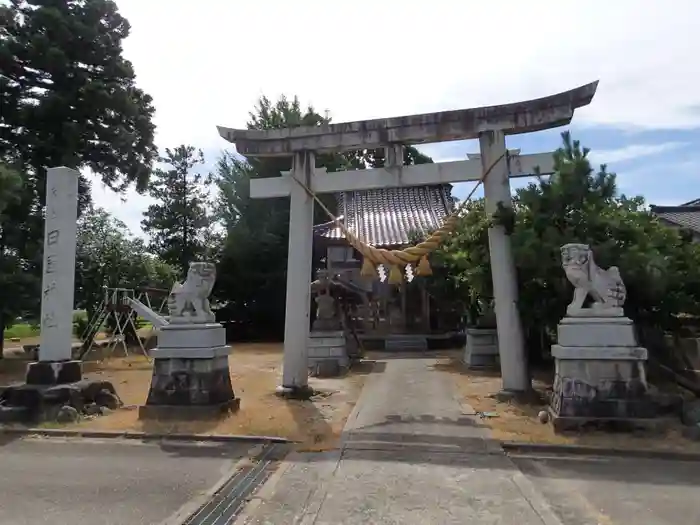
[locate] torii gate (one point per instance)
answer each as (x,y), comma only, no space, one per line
(489,124)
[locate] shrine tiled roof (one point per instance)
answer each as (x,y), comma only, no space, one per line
(387,217)
(684,216)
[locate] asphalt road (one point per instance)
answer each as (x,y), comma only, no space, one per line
(106,482)
(616,491)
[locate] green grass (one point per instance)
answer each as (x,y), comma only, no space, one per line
(21,330)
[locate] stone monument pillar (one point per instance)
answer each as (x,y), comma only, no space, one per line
(600,373)
(191,375)
(56,364)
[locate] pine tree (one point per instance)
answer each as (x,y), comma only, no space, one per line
(180,220)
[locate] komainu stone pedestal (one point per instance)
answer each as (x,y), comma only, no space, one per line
(600,375)
(481,349)
(191,377)
(328,354)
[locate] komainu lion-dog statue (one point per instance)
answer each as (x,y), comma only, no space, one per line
(605,287)
(189,302)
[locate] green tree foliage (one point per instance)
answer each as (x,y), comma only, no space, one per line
(15,281)
(10,188)
(252,278)
(107,255)
(180,221)
(251,282)
(67,98)
(68,95)
(659,265)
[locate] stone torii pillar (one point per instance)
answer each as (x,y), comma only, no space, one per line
(488,124)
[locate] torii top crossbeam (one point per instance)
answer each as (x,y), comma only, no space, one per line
(520,117)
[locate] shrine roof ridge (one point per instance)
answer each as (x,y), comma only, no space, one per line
(513,118)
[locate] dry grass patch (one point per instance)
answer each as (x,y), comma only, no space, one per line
(255,372)
(518,421)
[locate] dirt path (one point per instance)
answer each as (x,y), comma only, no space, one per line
(515,421)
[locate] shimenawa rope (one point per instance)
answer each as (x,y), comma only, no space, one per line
(398,259)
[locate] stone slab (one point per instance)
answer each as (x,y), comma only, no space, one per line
(481,360)
(595,312)
(327,333)
(189,412)
(192,336)
(599,331)
(610,353)
(337,351)
(649,424)
(191,353)
(54,372)
(484,342)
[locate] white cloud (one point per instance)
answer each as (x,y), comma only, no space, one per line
(206,63)
(129,208)
(633,151)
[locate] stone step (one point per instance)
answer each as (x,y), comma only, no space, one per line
(406,343)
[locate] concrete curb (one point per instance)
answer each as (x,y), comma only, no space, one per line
(583,450)
(145,436)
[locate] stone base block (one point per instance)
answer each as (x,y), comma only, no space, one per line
(295,392)
(191,341)
(194,335)
(481,348)
(326,325)
(191,353)
(596,332)
(601,384)
(54,372)
(608,424)
(188,412)
(327,353)
(190,382)
(38,403)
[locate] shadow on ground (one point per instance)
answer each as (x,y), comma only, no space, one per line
(208,450)
(368,366)
(426,354)
(627,470)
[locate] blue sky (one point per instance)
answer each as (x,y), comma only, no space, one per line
(661,165)
(206,64)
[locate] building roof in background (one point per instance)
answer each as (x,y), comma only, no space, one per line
(386,217)
(684,216)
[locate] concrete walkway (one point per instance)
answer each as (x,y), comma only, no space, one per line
(411,454)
